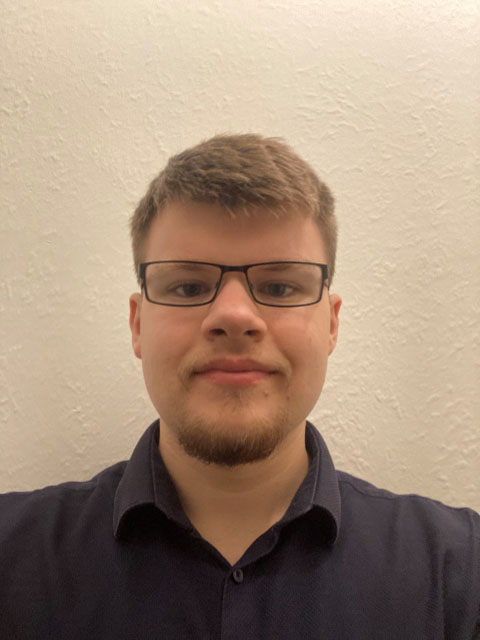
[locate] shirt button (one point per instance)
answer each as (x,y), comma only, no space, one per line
(238,576)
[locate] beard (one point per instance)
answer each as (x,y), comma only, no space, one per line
(230,442)
(234,426)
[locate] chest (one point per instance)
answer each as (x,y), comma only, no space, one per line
(176,586)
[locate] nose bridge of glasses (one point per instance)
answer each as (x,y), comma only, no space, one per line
(235,269)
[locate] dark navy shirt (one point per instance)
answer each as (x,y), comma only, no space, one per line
(116,557)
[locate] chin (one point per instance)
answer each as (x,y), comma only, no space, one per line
(230,440)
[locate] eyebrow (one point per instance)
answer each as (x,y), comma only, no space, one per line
(196,265)
(281,265)
(188,266)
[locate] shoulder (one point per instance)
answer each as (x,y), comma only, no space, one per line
(413,528)
(410,508)
(424,552)
(51,508)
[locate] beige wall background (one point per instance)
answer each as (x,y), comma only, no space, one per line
(382,97)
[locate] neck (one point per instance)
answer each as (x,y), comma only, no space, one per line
(236,503)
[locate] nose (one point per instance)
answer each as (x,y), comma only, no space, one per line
(234,313)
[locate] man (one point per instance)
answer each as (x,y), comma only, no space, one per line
(230,521)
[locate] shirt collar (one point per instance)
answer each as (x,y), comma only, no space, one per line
(319,494)
(147,483)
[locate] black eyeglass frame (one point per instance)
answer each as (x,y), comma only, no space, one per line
(142,267)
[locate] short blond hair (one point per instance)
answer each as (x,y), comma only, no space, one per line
(240,173)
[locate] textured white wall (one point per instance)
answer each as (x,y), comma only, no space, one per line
(382,97)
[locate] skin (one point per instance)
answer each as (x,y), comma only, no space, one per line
(255,421)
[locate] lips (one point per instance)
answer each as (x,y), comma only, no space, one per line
(234,365)
(234,371)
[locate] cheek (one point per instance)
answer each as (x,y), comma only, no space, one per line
(160,342)
(309,356)
(306,338)
(313,358)
(167,338)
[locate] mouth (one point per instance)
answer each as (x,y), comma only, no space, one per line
(234,372)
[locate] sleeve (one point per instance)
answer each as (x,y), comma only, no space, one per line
(476,633)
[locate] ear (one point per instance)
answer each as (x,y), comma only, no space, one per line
(135,312)
(335,304)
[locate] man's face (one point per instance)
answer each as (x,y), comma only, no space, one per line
(187,353)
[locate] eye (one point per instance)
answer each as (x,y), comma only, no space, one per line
(277,289)
(189,289)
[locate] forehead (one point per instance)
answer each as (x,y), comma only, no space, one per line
(204,232)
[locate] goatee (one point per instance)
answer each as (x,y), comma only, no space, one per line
(226,445)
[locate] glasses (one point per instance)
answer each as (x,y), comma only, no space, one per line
(184,283)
